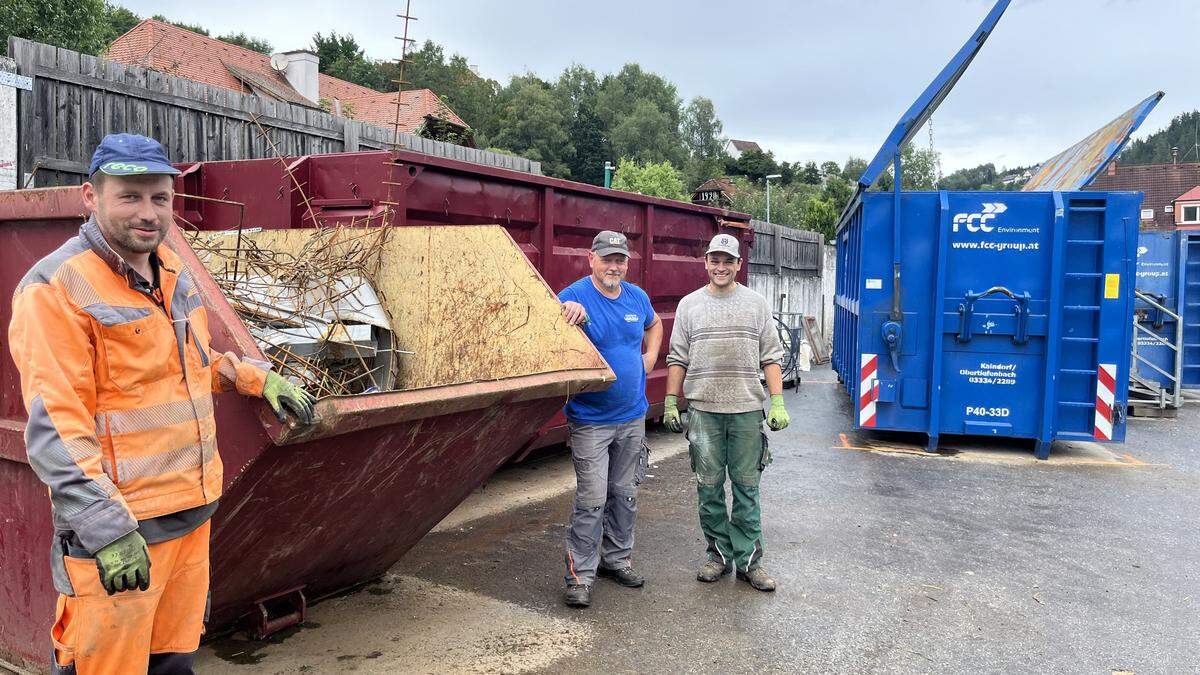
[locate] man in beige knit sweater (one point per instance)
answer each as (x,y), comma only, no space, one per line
(723,337)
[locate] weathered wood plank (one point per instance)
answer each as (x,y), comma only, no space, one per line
(170,97)
(139,108)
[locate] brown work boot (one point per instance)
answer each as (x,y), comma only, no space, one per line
(758,578)
(712,571)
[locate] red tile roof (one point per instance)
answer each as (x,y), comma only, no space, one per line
(1162,183)
(416,105)
(1192,195)
(158,45)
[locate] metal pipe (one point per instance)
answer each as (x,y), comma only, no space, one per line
(897,314)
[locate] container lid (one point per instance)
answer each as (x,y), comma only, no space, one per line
(931,98)
(1075,167)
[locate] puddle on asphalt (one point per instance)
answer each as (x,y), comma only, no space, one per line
(993,451)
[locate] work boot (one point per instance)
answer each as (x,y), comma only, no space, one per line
(758,578)
(624,576)
(578,595)
(712,571)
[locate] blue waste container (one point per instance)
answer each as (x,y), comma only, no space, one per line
(1004,314)
(1168,270)
(988,313)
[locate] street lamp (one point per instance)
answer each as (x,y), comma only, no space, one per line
(767,180)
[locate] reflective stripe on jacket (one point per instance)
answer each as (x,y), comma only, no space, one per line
(118,386)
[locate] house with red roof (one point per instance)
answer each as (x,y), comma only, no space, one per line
(293,77)
(1187,208)
(1172,191)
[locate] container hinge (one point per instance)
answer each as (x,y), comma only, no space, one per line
(966,311)
(277,612)
(893,333)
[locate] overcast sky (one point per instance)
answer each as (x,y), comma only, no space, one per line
(808,79)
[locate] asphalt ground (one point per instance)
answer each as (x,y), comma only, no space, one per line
(978,559)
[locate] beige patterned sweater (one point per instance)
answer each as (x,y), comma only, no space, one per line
(724,341)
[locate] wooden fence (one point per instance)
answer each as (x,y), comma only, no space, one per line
(794,270)
(77,99)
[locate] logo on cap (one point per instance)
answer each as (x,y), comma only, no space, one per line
(122,166)
(615,241)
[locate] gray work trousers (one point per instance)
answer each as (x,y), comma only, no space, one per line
(610,462)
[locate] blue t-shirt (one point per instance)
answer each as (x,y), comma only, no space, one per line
(616,327)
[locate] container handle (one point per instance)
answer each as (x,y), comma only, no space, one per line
(966,311)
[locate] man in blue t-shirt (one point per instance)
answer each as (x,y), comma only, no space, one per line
(608,428)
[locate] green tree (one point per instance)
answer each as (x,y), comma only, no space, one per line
(340,56)
(830,170)
(837,191)
(788,203)
(532,123)
(591,146)
(470,96)
(754,165)
(853,168)
(701,130)
(787,172)
(118,21)
(1183,132)
(974,178)
(186,26)
(578,88)
(918,167)
(648,134)
(242,40)
(641,111)
(648,178)
(810,174)
(819,215)
(80,25)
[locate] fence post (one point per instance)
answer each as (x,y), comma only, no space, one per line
(778,249)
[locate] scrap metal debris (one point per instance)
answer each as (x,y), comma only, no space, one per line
(316,314)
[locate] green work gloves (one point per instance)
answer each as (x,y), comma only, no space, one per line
(777,417)
(285,396)
(671,414)
(124,564)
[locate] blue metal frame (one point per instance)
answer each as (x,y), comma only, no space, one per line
(917,114)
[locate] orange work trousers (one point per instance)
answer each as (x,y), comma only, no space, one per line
(102,634)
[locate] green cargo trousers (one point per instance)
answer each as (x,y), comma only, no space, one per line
(733,443)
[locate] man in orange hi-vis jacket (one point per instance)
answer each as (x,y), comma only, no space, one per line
(112,343)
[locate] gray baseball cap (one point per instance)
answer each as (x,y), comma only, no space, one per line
(724,243)
(609,242)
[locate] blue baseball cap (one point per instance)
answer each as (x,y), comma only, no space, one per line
(131,155)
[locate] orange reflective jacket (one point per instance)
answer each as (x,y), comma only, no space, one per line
(118,384)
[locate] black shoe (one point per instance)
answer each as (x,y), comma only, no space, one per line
(712,571)
(578,595)
(624,576)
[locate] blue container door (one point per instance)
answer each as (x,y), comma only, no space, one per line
(1190,253)
(995,285)
(1092,362)
(1161,276)
(1035,323)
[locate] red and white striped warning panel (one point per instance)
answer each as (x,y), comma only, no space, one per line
(868,390)
(1106,394)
